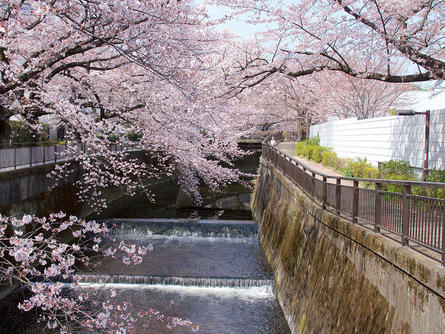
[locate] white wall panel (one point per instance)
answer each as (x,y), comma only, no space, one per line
(385,138)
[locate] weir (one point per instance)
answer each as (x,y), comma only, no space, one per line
(213,272)
(206,261)
(172,280)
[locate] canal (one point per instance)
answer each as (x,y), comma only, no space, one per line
(206,265)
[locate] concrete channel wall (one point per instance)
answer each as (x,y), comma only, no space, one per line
(27,191)
(336,277)
(385,138)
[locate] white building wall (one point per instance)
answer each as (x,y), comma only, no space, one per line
(385,138)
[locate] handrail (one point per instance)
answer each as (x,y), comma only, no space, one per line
(13,158)
(347,178)
(412,218)
(34,144)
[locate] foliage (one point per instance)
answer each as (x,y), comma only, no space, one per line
(22,132)
(395,167)
(397,170)
(316,153)
(300,147)
(358,167)
(329,159)
(370,173)
(352,168)
(395,188)
(315,141)
(433,176)
(113,138)
(311,149)
(134,137)
(308,151)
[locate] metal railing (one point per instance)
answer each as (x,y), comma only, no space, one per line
(415,221)
(25,155)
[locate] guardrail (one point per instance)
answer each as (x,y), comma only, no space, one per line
(410,218)
(18,156)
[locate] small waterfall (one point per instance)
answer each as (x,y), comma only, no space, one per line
(171,280)
(183,228)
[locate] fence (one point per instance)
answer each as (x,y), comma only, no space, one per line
(26,155)
(410,219)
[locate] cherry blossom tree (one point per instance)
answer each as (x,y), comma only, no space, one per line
(362,39)
(344,96)
(281,103)
(110,69)
(131,73)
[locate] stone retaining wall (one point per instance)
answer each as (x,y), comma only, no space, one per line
(336,277)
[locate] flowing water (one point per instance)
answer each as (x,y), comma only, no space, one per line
(210,271)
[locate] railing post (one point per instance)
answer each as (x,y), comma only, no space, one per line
(313,185)
(355,198)
(338,195)
(324,193)
(30,156)
(405,214)
(43,154)
(15,157)
(55,153)
(378,207)
(443,238)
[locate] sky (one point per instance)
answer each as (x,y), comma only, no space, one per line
(239,27)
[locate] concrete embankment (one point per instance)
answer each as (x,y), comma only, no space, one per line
(336,277)
(26,191)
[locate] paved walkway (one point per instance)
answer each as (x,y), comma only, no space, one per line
(289,149)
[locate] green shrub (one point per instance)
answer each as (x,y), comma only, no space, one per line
(314,141)
(113,138)
(316,153)
(300,147)
(329,158)
(436,176)
(307,153)
(358,167)
(395,188)
(433,176)
(396,167)
(133,136)
(311,149)
(21,132)
(398,170)
(346,167)
(371,173)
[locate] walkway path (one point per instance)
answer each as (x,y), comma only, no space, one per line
(289,149)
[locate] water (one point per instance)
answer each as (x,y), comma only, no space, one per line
(210,271)
(222,310)
(194,257)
